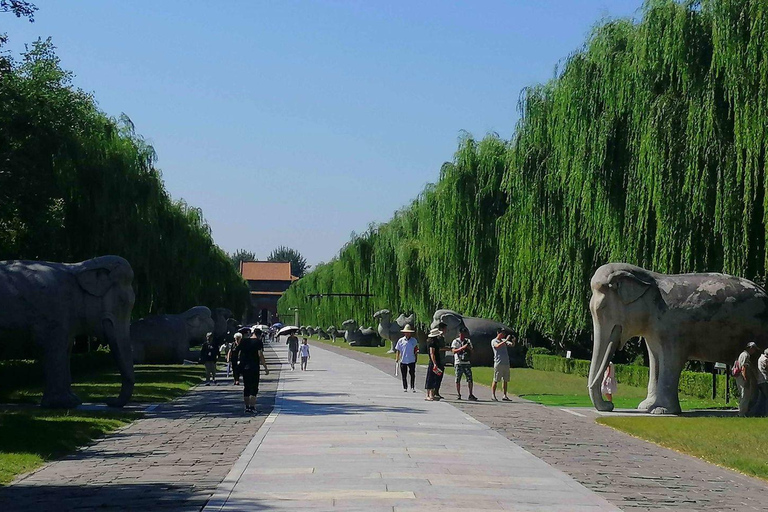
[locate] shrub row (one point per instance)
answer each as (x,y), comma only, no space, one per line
(691,383)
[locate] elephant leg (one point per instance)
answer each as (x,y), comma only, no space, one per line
(653,380)
(58,379)
(670,363)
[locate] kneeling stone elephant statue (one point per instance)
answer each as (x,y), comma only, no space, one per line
(54,302)
(481,332)
(357,337)
(167,338)
(706,317)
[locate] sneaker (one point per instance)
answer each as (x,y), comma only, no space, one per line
(507,399)
(472,398)
(247,410)
(439,397)
(494,398)
(405,390)
(413,390)
(458,397)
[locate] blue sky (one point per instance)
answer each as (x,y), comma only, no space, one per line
(296,123)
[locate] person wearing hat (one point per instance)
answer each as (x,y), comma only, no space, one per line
(761,409)
(435,349)
(746,379)
(406,351)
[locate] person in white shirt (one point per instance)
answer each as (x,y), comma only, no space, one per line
(304,353)
(762,384)
(746,379)
(462,351)
(406,351)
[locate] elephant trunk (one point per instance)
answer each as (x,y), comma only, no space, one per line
(120,346)
(604,347)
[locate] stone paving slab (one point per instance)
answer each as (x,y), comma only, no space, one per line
(340,438)
(633,474)
(172,459)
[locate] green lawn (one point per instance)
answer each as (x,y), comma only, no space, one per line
(737,443)
(30,436)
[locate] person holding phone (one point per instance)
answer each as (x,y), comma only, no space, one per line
(500,343)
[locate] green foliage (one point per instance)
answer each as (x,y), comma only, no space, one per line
(647,147)
(75,184)
(693,384)
(241,255)
(299,265)
(535,351)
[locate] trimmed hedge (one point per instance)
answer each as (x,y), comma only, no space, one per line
(691,383)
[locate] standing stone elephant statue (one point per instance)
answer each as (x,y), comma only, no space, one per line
(51,303)
(321,333)
(481,332)
(167,338)
(706,317)
(334,333)
(392,331)
(357,337)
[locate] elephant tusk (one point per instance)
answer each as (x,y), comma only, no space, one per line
(609,350)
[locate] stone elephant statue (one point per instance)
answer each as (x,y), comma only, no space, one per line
(357,337)
(706,317)
(334,333)
(311,331)
(321,333)
(392,331)
(51,303)
(303,330)
(481,332)
(167,338)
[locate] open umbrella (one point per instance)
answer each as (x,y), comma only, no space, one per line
(278,325)
(261,327)
(288,329)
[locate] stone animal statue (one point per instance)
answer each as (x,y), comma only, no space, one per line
(311,331)
(221,317)
(321,333)
(481,331)
(391,331)
(167,338)
(51,303)
(303,330)
(334,333)
(357,337)
(706,317)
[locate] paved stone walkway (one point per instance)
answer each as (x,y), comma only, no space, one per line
(633,474)
(172,459)
(344,436)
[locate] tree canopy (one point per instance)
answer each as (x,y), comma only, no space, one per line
(299,265)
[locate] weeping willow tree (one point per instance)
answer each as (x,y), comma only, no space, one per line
(648,146)
(75,184)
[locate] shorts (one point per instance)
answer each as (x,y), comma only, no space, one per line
(250,382)
(501,373)
(465,370)
(304,359)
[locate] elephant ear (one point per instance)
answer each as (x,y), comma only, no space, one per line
(630,287)
(95,281)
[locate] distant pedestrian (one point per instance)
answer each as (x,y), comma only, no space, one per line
(304,354)
(232,356)
(209,353)
(746,379)
(462,352)
(609,382)
(435,349)
(406,350)
(762,384)
(251,355)
(293,349)
(499,344)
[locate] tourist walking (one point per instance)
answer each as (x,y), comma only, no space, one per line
(500,343)
(209,353)
(250,356)
(609,386)
(435,349)
(406,350)
(746,379)
(462,352)
(232,355)
(304,354)
(293,349)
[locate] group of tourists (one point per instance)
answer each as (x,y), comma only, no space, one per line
(751,372)
(297,350)
(407,350)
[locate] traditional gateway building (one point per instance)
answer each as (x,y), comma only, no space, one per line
(267,281)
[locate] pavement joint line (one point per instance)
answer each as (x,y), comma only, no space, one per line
(221,495)
(574,413)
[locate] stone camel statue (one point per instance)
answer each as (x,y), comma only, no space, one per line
(334,333)
(357,337)
(706,317)
(392,331)
(481,331)
(167,338)
(51,303)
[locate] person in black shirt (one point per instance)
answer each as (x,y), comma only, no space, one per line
(435,349)
(209,353)
(293,349)
(250,356)
(232,355)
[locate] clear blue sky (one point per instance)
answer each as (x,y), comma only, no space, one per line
(296,123)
